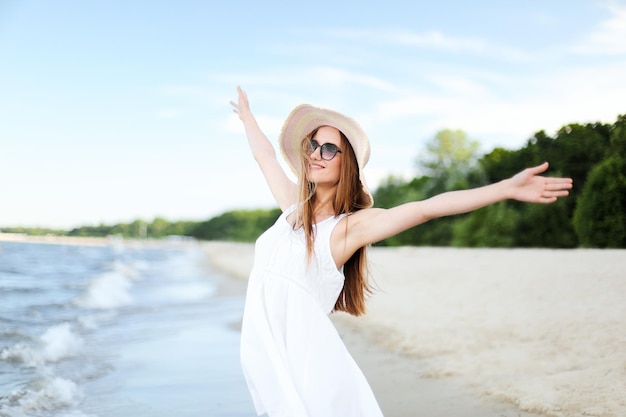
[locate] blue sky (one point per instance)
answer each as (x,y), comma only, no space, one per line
(117,110)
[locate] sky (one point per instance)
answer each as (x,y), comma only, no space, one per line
(119,110)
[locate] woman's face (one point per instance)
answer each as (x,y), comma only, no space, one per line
(322,171)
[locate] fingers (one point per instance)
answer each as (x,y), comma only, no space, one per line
(242,100)
(555,184)
(548,190)
(560,193)
(539,168)
(548,196)
(235,107)
(241,107)
(243,97)
(547,200)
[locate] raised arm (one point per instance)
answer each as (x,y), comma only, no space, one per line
(280,185)
(373,225)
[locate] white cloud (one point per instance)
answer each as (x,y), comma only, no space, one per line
(233,125)
(333,75)
(313,76)
(532,103)
(610,36)
(435,40)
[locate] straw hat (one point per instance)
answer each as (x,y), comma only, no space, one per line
(304,119)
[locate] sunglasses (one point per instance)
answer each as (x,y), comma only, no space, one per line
(327,150)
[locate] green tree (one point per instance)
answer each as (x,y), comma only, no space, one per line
(33,231)
(101,230)
(450,161)
(237,225)
(159,228)
(491,226)
(547,226)
(600,217)
(572,152)
(618,137)
(501,163)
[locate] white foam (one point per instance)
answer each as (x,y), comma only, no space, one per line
(129,270)
(60,342)
(21,352)
(88,322)
(48,394)
(107,291)
(57,342)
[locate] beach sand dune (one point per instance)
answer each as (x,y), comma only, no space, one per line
(489,332)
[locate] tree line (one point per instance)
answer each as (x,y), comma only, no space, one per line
(236,225)
(594,215)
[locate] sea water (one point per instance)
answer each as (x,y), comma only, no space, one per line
(118,330)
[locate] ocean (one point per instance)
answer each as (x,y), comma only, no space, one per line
(116,331)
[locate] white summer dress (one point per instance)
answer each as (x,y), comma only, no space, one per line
(293,359)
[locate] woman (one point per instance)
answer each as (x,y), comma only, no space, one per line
(312,260)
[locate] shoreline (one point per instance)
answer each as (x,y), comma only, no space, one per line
(94,241)
(55,239)
(485,332)
(470,332)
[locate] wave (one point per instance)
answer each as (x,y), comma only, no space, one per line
(56,343)
(46,394)
(82,313)
(111,289)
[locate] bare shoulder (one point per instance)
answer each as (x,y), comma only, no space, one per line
(350,224)
(360,220)
(365,214)
(352,233)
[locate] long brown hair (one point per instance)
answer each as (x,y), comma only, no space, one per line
(349,198)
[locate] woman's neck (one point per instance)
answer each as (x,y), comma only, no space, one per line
(323,206)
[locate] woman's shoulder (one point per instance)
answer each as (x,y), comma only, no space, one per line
(355,228)
(290,209)
(364,214)
(350,222)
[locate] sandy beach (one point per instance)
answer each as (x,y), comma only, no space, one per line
(52,239)
(486,332)
(94,241)
(474,332)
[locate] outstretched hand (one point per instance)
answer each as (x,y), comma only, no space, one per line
(242,107)
(530,187)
